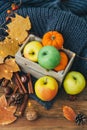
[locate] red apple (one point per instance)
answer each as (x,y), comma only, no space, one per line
(46,88)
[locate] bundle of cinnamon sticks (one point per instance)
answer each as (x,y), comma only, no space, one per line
(21,88)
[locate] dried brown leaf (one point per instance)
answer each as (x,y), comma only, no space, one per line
(7,68)
(18,28)
(1,59)
(69,113)
(8,47)
(6,112)
(3,101)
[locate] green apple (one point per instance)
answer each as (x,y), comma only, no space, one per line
(46,88)
(74,83)
(31,50)
(49,57)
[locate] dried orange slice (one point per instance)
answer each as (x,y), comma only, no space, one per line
(69,113)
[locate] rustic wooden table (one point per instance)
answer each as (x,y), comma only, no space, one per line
(52,119)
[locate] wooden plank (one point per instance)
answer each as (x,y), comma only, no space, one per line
(53,118)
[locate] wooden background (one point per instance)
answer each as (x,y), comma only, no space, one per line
(52,119)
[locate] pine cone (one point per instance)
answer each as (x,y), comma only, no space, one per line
(81,119)
(17,98)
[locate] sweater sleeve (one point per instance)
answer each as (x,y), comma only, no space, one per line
(79,7)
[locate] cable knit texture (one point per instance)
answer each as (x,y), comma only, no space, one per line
(69,17)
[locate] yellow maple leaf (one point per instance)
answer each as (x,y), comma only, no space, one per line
(18,28)
(8,47)
(7,68)
(1,59)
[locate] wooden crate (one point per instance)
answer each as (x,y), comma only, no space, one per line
(35,69)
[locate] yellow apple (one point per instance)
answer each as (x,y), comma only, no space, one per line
(31,50)
(74,83)
(46,88)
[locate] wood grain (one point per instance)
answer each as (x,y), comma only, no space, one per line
(53,118)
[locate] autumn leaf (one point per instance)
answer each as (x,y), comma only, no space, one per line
(69,113)
(8,47)
(3,101)
(7,68)
(1,59)
(17,33)
(18,28)
(6,112)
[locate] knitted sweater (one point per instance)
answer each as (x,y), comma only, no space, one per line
(69,17)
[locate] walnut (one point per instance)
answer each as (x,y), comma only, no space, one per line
(31,115)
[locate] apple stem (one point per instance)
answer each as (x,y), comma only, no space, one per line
(45,82)
(74,78)
(32,53)
(44,53)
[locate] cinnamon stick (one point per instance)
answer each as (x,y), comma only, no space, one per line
(15,89)
(20,82)
(30,85)
(23,106)
(10,99)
